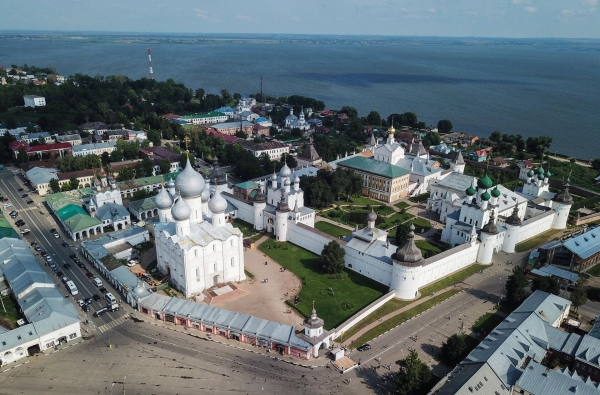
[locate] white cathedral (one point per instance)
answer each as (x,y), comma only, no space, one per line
(195,245)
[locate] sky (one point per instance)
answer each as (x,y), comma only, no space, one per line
(449,18)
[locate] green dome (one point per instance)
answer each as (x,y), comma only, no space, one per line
(541,176)
(531,173)
(539,170)
(485,182)
(470,191)
(548,174)
(496,192)
(485,196)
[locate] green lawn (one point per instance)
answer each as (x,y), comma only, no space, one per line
(402,205)
(248,274)
(421,224)
(336,299)
(594,271)
(487,323)
(420,198)
(383,211)
(331,229)
(394,220)
(403,317)
(536,241)
(246,227)
(359,200)
(453,279)
(427,249)
(8,318)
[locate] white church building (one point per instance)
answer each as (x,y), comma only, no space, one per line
(195,245)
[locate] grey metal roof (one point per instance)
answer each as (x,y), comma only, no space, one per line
(539,380)
(40,175)
(48,310)
(125,277)
(456,182)
(586,244)
(20,335)
(589,351)
(112,211)
(96,247)
(476,378)
(225,319)
(550,270)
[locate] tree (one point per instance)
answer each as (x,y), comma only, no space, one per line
(126,174)
(538,145)
(453,350)
(444,126)
(412,374)
(350,111)
(147,166)
(546,284)
(141,194)
(578,297)
(116,156)
(22,156)
(184,157)
(54,185)
(105,158)
(332,257)
(402,232)
(515,287)
(74,183)
(496,136)
(165,166)
(374,118)
(431,138)
(320,194)
(290,160)
(596,164)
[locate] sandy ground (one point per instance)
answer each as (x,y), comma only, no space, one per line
(264,300)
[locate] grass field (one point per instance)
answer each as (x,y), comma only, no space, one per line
(331,229)
(336,299)
(246,227)
(420,198)
(383,211)
(402,205)
(403,317)
(427,249)
(487,323)
(421,224)
(248,274)
(536,241)
(8,318)
(594,271)
(394,220)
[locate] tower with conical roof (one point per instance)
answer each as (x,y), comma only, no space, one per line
(406,270)
(489,237)
(561,203)
(259,205)
(281,218)
(458,163)
(512,225)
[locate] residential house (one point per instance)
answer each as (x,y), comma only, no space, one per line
(95,149)
(461,138)
(34,101)
(35,137)
(203,119)
(39,179)
(500,162)
(137,135)
(480,155)
(273,148)
(158,154)
(85,177)
(524,167)
(73,139)
(228,138)
(226,110)
(231,128)
(42,150)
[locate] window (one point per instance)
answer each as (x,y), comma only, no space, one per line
(215,267)
(72,335)
(214,247)
(197,272)
(232,262)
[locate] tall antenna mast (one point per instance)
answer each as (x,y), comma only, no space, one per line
(150,64)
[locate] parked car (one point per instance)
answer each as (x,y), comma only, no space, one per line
(80,302)
(73,256)
(43,253)
(85,308)
(20,223)
(64,279)
(103,290)
(89,275)
(65,244)
(25,232)
(29,201)
(52,230)
(20,189)
(96,297)
(68,266)
(364,347)
(88,300)
(60,273)
(7,204)
(97,282)
(24,195)
(37,248)
(98,313)
(14,212)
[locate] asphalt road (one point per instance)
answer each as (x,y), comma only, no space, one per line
(40,226)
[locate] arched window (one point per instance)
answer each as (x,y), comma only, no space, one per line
(232,262)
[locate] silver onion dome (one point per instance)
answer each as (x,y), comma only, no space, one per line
(206,191)
(181,211)
(163,199)
(287,182)
(189,182)
(285,171)
(217,203)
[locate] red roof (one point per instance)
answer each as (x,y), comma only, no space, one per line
(227,138)
(18,145)
(49,147)
(170,116)
(259,127)
(481,153)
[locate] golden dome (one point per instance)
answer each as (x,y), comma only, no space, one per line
(391,130)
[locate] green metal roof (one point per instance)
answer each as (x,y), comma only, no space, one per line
(80,222)
(6,230)
(207,115)
(247,185)
(373,166)
(70,210)
(143,204)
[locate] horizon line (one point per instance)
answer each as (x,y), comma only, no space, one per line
(142,33)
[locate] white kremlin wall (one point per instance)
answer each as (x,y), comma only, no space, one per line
(448,262)
(536,225)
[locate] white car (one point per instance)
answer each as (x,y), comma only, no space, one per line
(7,204)
(80,302)
(56,236)
(25,231)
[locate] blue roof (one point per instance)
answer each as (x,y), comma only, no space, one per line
(586,244)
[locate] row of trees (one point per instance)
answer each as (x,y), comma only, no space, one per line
(327,186)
